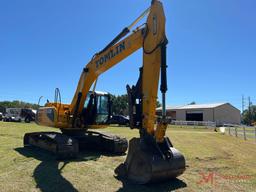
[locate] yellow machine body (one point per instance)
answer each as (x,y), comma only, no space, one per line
(152,156)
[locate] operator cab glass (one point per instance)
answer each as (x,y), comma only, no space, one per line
(96,108)
(102,108)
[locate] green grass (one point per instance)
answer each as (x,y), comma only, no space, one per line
(208,152)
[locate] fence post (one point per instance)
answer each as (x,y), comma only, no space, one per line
(244,133)
(236,131)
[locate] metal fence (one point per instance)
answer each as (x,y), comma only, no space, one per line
(245,132)
(207,124)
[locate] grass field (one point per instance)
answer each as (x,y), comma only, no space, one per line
(215,162)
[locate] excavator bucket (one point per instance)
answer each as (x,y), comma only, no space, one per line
(145,164)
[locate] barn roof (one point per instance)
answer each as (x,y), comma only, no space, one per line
(202,106)
(195,106)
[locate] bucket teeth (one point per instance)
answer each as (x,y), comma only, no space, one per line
(144,165)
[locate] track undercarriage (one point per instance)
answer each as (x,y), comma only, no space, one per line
(68,146)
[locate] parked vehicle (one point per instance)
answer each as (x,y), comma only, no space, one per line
(1,116)
(168,119)
(119,119)
(19,114)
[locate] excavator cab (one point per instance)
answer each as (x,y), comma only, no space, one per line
(97,108)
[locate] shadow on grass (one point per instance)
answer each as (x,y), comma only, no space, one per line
(163,187)
(47,174)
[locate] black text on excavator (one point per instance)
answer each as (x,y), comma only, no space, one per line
(151,157)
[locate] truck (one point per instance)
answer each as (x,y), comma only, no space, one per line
(19,115)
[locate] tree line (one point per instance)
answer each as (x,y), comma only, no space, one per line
(17,104)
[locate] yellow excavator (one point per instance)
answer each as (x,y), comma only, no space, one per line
(151,157)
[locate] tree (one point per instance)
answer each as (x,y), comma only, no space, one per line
(158,104)
(249,117)
(120,104)
(192,103)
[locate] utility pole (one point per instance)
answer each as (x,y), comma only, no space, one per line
(242,112)
(243,104)
(249,111)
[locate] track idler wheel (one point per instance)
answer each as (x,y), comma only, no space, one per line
(146,164)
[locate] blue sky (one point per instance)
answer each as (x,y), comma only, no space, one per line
(45,44)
